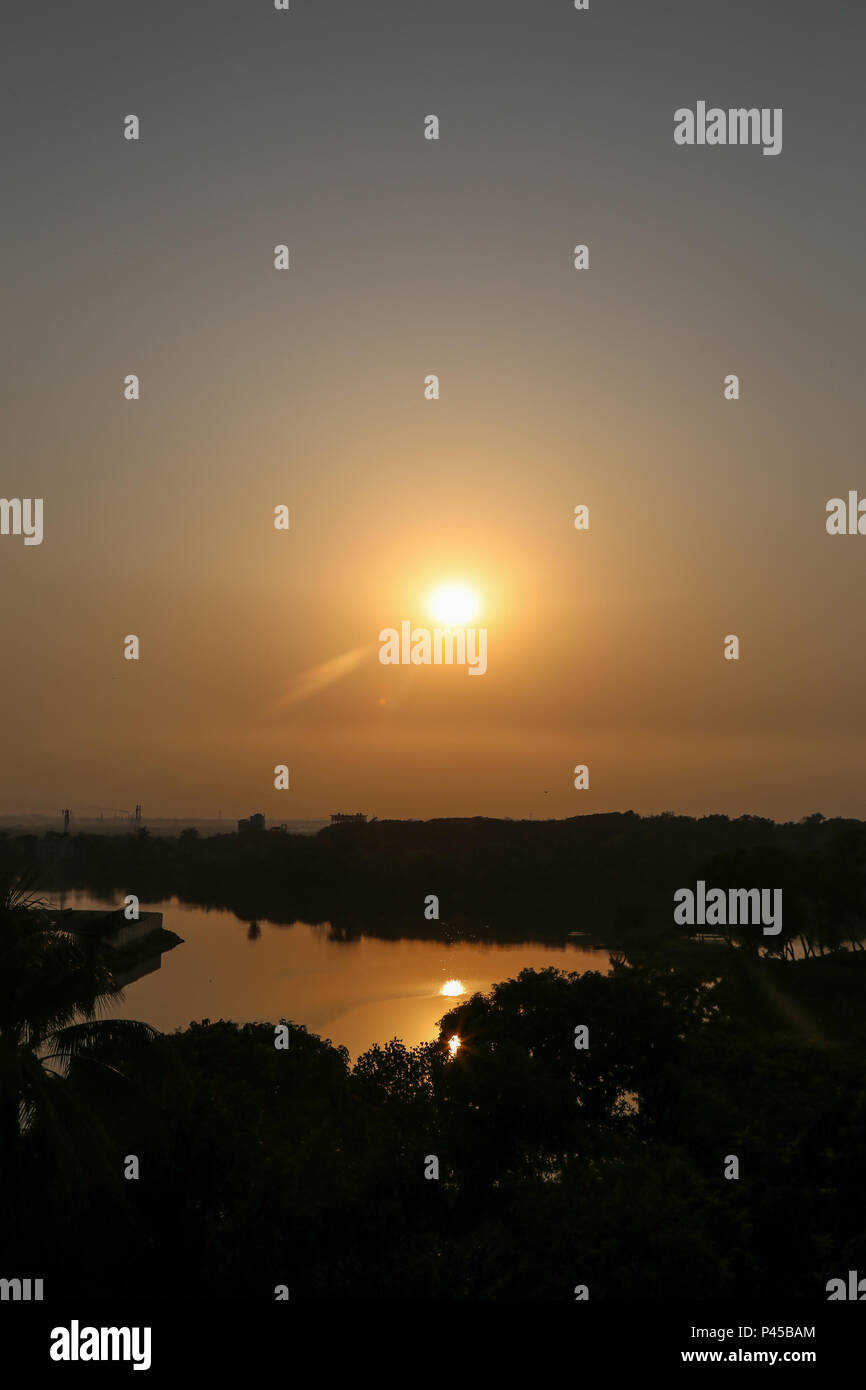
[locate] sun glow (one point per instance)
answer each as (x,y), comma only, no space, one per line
(454,604)
(453,1044)
(452,987)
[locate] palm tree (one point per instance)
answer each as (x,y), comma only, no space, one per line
(53,986)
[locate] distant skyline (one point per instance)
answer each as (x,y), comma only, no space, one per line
(558,387)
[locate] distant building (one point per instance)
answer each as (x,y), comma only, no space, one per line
(242,826)
(255,822)
(342,819)
(130,949)
(109,927)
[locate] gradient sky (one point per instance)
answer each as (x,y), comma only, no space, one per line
(412,257)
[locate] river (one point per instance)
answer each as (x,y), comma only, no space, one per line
(356,992)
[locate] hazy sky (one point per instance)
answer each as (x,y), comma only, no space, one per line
(306,387)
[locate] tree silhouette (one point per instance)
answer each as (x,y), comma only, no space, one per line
(53,986)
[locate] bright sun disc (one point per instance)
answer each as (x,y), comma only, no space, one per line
(454,604)
(452,987)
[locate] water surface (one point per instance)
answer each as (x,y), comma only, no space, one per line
(354,992)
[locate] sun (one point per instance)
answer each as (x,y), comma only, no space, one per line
(454,604)
(452,988)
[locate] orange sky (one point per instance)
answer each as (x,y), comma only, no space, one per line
(558,387)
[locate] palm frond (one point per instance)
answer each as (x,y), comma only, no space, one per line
(99,1035)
